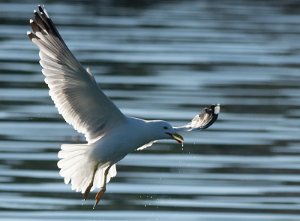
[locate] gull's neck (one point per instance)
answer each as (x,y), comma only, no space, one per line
(144,129)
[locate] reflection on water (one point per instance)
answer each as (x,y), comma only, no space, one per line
(162,61)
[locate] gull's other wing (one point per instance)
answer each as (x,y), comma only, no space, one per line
(72,88)
(147,145)
(202,120)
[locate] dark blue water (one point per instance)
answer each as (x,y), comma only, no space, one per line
(161,60)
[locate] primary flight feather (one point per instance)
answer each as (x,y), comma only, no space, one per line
(110,135)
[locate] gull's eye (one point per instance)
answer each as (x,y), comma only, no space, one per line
(165,127)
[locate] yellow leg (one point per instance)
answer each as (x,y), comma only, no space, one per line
(98,197)
(103,188)
(88,189)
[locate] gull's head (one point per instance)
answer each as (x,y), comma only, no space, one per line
(164,130)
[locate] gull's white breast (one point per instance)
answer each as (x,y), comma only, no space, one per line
(120,141)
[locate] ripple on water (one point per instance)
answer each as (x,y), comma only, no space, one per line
(161,61)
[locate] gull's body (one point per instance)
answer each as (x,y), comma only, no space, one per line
(107,151)
(110,135)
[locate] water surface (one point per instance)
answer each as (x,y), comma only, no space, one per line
(164,60)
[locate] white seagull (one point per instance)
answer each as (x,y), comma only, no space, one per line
(110,135)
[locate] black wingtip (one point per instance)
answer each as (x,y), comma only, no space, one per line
(41,9)
(31,35)
(212,111)
(34,26)
(41,23)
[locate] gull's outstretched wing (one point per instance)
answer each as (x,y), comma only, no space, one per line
(73,89)
(202,120)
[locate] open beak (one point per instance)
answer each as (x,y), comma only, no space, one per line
(177,137)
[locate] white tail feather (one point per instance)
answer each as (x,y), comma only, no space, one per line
(99,176)
(76,166)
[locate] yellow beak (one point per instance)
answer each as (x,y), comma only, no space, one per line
(177,137)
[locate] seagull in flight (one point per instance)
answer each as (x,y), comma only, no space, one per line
(110,134)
